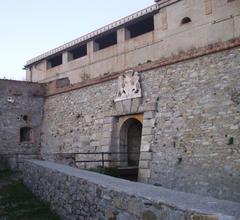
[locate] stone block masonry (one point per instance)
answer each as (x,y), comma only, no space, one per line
(78,194)
(186,97)
(190,139)
(21,112)
(197,126)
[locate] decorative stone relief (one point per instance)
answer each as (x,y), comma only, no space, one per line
(128,86)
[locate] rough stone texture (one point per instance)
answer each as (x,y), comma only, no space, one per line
(196,138)
(77,194)
(191,124)
(190,105)
(19,99)
(77,121)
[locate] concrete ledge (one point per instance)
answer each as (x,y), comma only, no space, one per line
(78,194)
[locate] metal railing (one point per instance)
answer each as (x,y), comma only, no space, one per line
(102,157)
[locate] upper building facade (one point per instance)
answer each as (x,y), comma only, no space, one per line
(162,30)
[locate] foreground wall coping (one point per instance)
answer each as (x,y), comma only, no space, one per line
(180,200)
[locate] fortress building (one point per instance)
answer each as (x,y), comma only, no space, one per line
(156,93)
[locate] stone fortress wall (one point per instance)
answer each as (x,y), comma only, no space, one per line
(190,138)
(21,114)
(189,104)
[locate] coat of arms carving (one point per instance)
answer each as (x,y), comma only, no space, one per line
(129,86)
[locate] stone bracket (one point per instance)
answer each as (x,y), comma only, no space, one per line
(128,106)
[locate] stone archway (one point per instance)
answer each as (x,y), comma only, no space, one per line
(130,142)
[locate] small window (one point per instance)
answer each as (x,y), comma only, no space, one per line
(105,41)
(77,52)
(186,20)
(55,61)
(25,134)
(62,82)
(141,27)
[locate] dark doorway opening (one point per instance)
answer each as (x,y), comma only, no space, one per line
(134,142)
(130,143)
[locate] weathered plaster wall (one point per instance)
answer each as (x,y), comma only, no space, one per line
(78,194)
(212,21)
(190,138)
(19,99)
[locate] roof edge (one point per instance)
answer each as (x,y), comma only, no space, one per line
(95,33)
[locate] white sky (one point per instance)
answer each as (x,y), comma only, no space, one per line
(32,27)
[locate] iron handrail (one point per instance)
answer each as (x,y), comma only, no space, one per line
(101,152)
(103,160)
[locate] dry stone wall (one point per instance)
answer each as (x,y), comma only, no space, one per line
(190,137)
(78,194)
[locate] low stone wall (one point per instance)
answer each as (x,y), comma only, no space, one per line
(14,161)
(78,194)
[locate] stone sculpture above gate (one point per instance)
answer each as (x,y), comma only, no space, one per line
(129,86)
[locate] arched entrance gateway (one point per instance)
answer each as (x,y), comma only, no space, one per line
(130,143)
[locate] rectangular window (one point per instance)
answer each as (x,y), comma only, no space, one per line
(62,82)
(140,27)
(55,61)
(77,52)
(25,134)
(105,41)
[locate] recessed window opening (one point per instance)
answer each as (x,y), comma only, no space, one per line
(186,20)
(141,27)
(25,134)
(105,41)
(77,52)
(55,61)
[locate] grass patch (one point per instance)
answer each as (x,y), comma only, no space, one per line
(110,171)
(18,203)
(7,174)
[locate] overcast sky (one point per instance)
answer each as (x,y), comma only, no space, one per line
(32,27)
